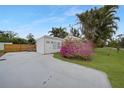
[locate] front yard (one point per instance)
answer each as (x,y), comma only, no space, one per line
(112,65)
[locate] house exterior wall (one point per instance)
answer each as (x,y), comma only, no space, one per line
(52,45)
(47,45)
(40,45)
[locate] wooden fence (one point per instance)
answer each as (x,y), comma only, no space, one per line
(19,47)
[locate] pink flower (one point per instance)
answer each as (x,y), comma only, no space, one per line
(73,48)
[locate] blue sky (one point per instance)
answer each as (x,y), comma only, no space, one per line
(38,20)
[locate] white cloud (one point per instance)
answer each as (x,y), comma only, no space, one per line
(40,22)
(48,19)
(24,29)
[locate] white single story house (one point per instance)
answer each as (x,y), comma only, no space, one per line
(2,45)
(48,44)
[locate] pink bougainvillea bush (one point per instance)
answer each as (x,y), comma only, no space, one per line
(69,48)
(73,47)
(86,50)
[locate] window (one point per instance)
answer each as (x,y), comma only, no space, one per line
(58,46)
(47,42)
(54,45)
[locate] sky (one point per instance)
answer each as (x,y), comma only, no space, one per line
(39,20)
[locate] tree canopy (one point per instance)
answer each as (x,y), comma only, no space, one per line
(58,32)
(7,36)
(98,25)
(30,38)
(10,36)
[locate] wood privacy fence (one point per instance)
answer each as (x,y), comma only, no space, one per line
(19,47)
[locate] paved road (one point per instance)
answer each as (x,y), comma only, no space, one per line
(33,70)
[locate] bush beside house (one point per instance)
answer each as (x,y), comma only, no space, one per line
(75,47)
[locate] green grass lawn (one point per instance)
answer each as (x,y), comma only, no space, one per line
(112,65)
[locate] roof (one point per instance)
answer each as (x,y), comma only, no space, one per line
(45,36)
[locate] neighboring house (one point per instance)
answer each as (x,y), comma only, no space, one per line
(48,44)
(2,45)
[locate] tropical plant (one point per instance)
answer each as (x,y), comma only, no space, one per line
(58,32)
(98,25)
(74,32)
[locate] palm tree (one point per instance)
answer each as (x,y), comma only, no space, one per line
(74,32)
(54,32)
(99,24)
(58,32)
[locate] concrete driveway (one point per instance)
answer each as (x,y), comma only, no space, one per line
(33,70)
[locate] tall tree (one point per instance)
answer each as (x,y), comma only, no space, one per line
(30,38)
(98,25)
(7,36)
(10,34)
(58,32)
